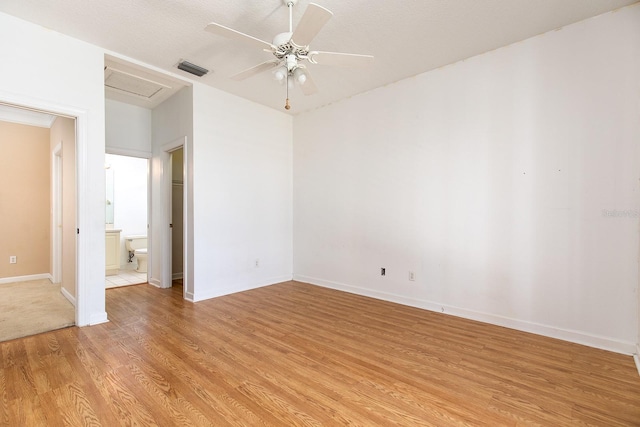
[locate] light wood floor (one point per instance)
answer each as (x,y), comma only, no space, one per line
(295,354)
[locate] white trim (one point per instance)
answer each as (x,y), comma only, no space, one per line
(26,116)
(98,318)
(128,152)
(28,278)
(68,296)
(56,213)
(175,276)
(165,238)
(636,357)
(155,282)
(83,309)
(577,337)
(232,289)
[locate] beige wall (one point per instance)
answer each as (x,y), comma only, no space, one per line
(24,200)
(177,203)
(63,132)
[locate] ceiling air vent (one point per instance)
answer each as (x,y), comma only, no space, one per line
(131,84)
(192,68)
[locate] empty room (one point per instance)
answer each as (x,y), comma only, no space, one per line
(357,213)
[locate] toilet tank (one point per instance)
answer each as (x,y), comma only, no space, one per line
(135,242)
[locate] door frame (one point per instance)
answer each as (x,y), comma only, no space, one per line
(83,292)
(56,213)
(148,157)
(165,237)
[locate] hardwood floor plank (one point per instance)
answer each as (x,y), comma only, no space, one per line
(27,412)
(296,354)
(128,407)
(4,400)
(163,393)
(14,353)
(53,413)
(204,391)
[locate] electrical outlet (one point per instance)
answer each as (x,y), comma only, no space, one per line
(13,259)
(412,276)
(257,263)
(383,271)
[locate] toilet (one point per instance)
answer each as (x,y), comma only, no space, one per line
(137,246)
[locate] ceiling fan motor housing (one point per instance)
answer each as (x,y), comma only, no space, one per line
(284,47)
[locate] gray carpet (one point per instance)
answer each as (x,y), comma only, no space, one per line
(29,308)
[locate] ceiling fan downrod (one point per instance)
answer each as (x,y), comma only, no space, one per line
(290,4)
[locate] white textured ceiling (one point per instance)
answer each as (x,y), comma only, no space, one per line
(406,37)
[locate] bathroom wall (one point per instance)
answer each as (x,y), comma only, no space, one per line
(130,198)
(24,200)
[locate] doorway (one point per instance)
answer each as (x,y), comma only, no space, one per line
(126,219)
(172,227)
(177,214)
(39,283)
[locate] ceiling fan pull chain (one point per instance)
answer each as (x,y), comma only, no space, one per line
(286,104)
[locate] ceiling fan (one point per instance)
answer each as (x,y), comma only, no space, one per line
(291,50)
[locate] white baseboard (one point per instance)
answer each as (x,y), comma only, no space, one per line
(239,288)
(98,318)
(68,296)
(25,278)
(189,296)
(176,276)
(577,337)
(636,357)
(155,282)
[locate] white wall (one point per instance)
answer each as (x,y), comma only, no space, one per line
(130,199)
(61,74)
(242,174)
(128,129)
(487,178)
(171,120)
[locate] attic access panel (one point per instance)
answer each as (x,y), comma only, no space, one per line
(131,84)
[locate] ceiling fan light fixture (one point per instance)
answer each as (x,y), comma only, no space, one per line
(299,75)
(280,74)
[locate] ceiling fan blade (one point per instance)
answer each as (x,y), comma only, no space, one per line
(311,23)
(309,86)
(257,69)
(229,33)
(340,59)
